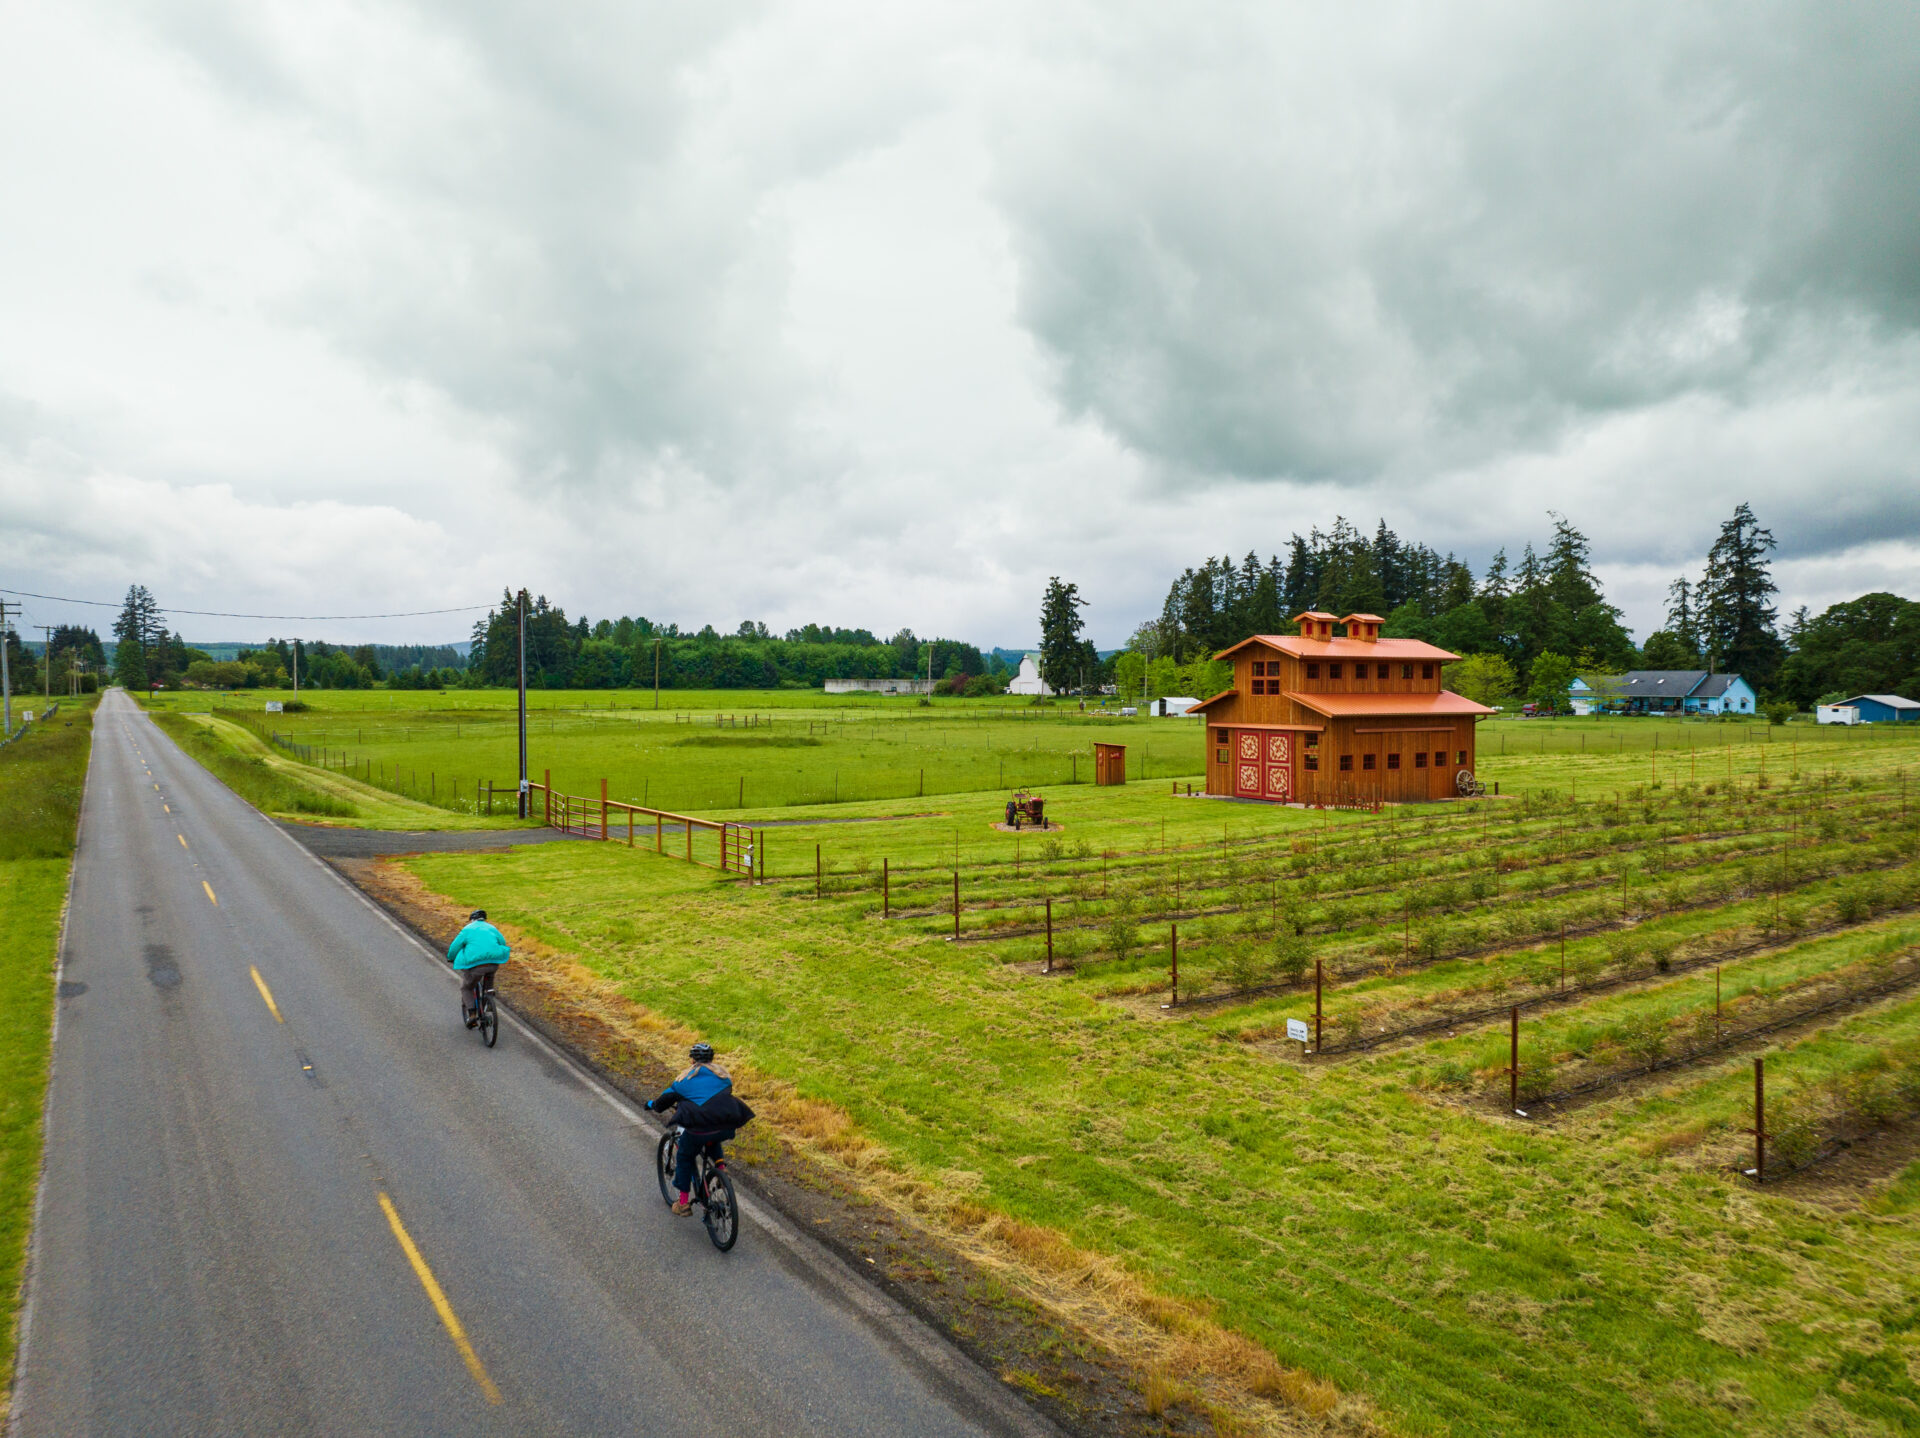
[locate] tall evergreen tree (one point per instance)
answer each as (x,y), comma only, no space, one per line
(139,638)
(1735,601)
(1683,623)
(1062,651)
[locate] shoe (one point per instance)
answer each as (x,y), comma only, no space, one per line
(473,1019)
(682,1207)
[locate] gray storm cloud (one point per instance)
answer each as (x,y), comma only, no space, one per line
(1401,238)
(887,314)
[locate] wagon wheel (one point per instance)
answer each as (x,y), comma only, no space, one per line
(1468,786)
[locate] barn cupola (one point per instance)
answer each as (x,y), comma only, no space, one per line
(1363,626)
(1314,624)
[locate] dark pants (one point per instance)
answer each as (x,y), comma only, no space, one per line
(470,985)
(691,1147)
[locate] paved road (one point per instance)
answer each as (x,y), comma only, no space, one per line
(243,1213)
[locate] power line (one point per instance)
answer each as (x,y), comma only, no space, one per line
(224,614)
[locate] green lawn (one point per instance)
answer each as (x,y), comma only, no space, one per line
(41,780)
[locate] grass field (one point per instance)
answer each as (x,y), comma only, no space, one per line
(42,778)
(1373,1217)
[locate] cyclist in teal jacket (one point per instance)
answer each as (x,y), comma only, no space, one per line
(477,950)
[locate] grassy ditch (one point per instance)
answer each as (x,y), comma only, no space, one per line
(42,778)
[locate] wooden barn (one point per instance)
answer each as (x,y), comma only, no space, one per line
(1317,718)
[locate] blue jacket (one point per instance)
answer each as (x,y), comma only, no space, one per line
(478,943)
(705,1100)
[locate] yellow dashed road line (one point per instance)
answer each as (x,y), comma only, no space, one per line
(439,1301)
(265,993)
(209,888)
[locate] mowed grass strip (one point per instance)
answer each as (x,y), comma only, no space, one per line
(1467,1275)
(42,778)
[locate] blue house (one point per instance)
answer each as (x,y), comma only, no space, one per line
(1883,708)
(1666,691)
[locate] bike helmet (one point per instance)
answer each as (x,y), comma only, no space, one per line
(476,914)
(701,1053)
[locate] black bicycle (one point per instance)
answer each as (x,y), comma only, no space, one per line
(489,1024)
(712,1189)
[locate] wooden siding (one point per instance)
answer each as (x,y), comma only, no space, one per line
(1357,736)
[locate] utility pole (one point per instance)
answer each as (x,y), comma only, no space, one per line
(656,673)
(294,650)
(46,658)
(523,706)
(6,680)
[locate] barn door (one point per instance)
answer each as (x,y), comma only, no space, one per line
(1279,767)
(1246,765)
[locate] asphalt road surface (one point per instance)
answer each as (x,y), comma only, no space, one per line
(287,1192)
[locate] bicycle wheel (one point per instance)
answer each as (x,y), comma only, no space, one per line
(666,1157)
(722,1215)
(489,1020)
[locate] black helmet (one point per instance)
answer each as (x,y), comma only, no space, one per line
(476,914)
(701,1053)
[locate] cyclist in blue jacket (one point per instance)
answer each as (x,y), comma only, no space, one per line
(477,950)
(708,1113)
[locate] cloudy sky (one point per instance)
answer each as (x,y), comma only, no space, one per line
(880,315)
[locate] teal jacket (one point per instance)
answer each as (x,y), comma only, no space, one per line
(478,943)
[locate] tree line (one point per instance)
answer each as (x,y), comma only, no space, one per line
(1527,627)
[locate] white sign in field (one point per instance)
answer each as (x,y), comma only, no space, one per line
(274,706)
(1297,1029)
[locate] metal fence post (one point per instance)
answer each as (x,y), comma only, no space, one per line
(816,871)
(1759,1120)
(1316,1005)
(956,903)
(603,811)
(1513,1063)
(1049,934)
(886,891)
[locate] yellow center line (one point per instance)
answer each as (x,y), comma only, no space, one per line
(265,993)
(167,807)
(156,788)
(439,1301)
(183,840)
(210,898)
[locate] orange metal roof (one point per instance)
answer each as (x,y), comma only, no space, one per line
(1365,618)
(1346,648)
(1446,704)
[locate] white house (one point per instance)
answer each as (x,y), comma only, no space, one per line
(1028,680)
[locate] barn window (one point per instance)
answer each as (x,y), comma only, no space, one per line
(1346,763)
(1426,671)
(1462,757)
(1219,736)
(1219,756)
(1333,671)
(1366,761)
(1260,666)
(1406,671)
(1313,671)
(1313,741)
(1381,671)
(1313,760)
(1439,758)
(1393,761)
(1420,760)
